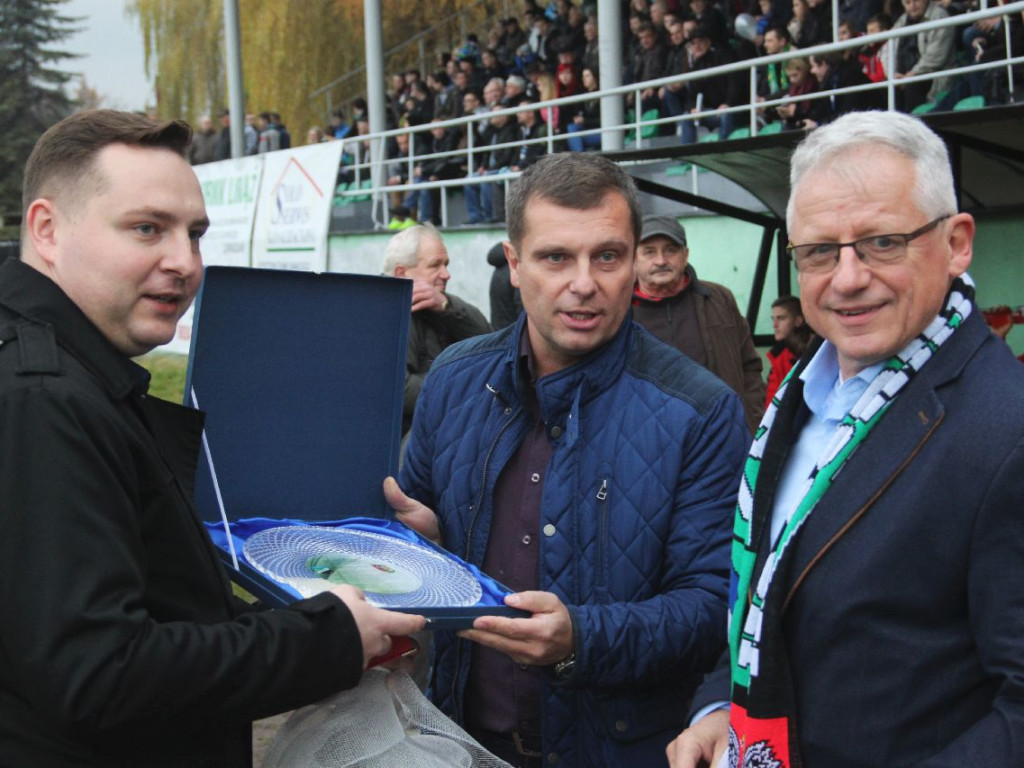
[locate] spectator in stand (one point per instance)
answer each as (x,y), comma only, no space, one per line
(587,116)
(658,13)
(514,37)
(485,203)
(792,337)
(397,94)
(801,82)
(398,169)
(490,67)
(418,109)
(566,84)
(468,77)
(494,91)
(648,65)
(767,16)
(591,53)
(270,137)
(461,85)
(546,48)
(994,84)
(203,148)
(875,57)
(470,49)
(677,62)
(857,12)
(339,128)
(575,37)
(772,81)
(821,12)
(531,127)
(472,105)
(708,93)
(925,52)
(515,89)
(439,169)
(223,149)
(803,26)
(282,129)
(712,21)
(545,84)
(251,134)
(441,89)
(832,71)
(315,135)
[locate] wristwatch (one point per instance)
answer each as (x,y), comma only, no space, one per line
(565,667)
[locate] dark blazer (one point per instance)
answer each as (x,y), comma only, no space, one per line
(122,644)
(905,608)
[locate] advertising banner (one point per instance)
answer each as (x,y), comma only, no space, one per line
(294,208)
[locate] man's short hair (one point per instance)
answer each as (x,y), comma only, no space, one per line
(570,180)
(63,158)
(791,304)
(781,30)
(934,191)
(404,247)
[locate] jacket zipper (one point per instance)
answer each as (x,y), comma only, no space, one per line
(602,497)
(469,538)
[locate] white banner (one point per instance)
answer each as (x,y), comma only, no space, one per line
(294,207)
(230,190)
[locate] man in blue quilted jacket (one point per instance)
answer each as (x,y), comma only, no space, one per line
(592,469)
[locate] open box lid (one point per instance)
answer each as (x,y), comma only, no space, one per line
(301,376)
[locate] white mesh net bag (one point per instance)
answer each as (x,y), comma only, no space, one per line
(384,722)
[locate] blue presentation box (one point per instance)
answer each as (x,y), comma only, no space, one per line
(301,377)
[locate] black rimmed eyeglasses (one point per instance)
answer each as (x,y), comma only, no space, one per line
(873,251)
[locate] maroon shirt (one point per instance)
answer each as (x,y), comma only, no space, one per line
(501,695)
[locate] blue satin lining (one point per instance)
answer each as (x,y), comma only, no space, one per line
(493,592)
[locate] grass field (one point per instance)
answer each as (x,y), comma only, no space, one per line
(168,372)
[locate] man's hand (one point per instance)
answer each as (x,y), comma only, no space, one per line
(702,744)
(427,296)
(410,512)
(544,638)
(375,624)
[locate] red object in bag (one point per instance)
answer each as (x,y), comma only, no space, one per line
(400,647)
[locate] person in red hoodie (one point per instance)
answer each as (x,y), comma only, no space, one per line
(792,335)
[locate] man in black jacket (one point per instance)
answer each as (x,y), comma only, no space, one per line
(439,318)
(122,642)
(709,93)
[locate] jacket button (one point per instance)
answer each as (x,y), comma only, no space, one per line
(549,530)
(621,726)
(556,432)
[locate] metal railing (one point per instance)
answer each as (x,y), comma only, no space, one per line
(373,166)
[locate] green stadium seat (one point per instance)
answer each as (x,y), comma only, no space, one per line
(740,133)
(710,136)
(923,109)
(970,102)
(769,129)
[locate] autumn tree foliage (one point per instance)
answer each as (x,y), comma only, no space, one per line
(289,50)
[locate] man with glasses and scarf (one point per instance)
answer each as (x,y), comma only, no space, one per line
(878,545)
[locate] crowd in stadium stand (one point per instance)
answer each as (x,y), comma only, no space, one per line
(551,51)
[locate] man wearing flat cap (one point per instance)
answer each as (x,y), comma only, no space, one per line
(697,317)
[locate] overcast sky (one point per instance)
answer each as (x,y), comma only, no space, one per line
(112,59)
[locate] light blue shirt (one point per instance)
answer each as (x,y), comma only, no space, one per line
(829,399)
